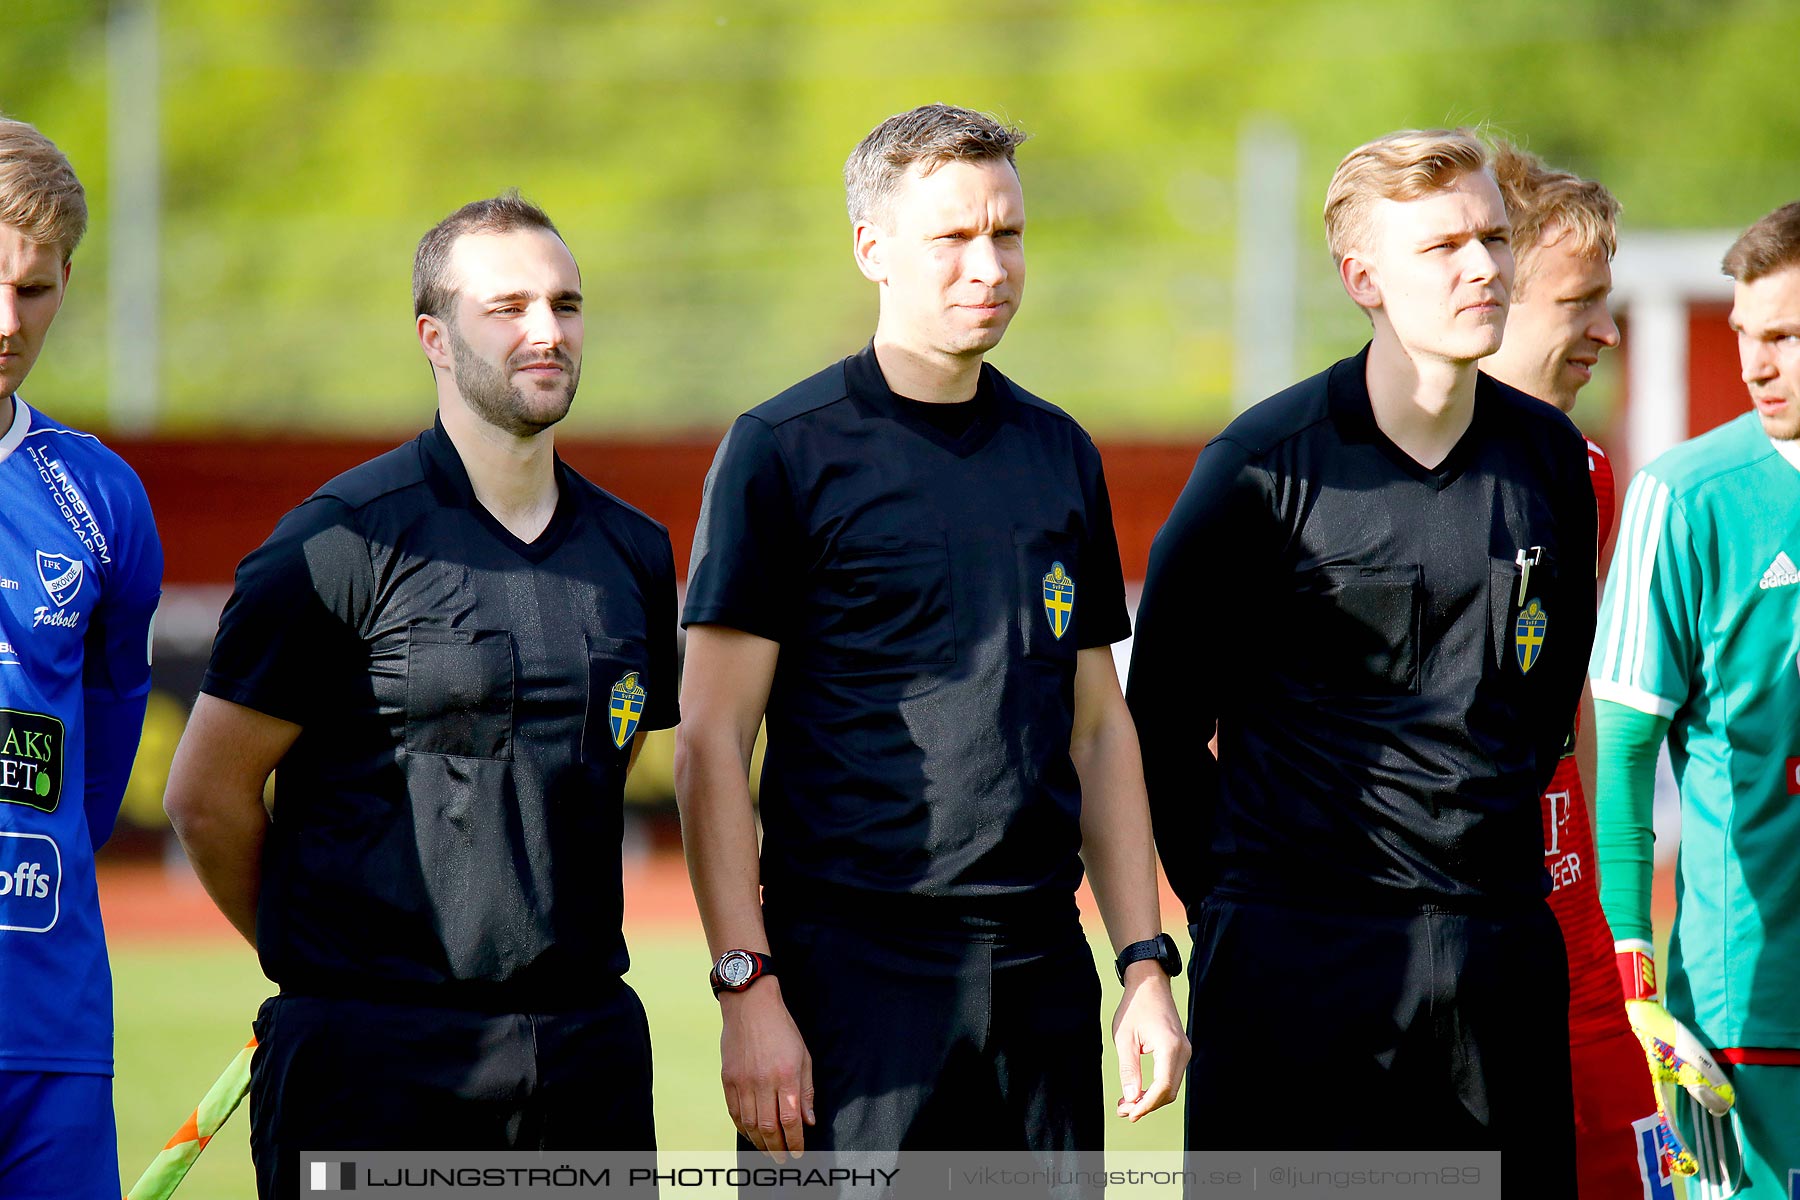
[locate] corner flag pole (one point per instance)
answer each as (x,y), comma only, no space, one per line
(168,1169)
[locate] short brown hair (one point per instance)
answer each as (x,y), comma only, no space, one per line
(39,194)
(1556,204)
(1767,246)
(931,135)
(1400,166)
(432,292)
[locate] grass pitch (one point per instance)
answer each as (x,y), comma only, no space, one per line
(184,1008)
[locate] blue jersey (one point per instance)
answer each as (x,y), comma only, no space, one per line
(80,575)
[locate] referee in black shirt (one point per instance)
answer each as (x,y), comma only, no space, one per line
(448,657)
(1380,584)
(907,564)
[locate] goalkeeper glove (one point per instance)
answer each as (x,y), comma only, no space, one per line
(1678,1061)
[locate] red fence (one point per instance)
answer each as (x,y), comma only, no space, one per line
(216,499)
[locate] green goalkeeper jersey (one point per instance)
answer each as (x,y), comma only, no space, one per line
(1700,625)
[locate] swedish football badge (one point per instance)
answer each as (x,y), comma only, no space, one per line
(1528,634)
(1059,599)
(626,707)
(60,575)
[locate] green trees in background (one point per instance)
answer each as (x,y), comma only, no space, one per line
(690,152)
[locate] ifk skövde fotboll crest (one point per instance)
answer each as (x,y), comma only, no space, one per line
(1528,634)
(1059,599)
(60,575)
(625,708)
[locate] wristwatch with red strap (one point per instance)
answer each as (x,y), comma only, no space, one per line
(738,969)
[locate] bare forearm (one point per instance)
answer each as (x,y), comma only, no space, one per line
(718,835)
(1121,863)
(214,800)
(1115,833)
(224,840)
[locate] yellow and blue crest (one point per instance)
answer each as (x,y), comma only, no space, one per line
(1059,599)
(626,708)
(1528,634)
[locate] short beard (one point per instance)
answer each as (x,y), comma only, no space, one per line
(1782,431)
(488,391)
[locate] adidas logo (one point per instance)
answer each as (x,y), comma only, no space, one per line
(1781,572)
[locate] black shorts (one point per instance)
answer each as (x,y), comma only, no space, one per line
(338,1074)
(1344,1030)
(966,1041)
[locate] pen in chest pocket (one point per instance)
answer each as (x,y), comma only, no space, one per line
(1527,559)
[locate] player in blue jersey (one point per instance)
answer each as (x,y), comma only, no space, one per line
(80,574)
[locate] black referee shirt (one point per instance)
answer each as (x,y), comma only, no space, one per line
(451,813)
(1391,696)
(929,581)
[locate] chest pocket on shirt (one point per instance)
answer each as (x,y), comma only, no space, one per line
(1050,596)
(1525,630)
(618,695)
(1355,629)
(459,692)
(886,601)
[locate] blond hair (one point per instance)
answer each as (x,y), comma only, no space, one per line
(1400,166)
(39,194)
(931,135)
(1546,205)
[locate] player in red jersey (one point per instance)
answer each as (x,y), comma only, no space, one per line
(1563,240)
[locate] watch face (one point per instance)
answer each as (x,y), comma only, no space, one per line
(734,969)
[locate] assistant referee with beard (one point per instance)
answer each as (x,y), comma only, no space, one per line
(447,656)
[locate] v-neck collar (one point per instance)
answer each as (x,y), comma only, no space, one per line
(449,481)
(866,385)
(1348,389)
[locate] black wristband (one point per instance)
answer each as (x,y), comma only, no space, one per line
(1162,948)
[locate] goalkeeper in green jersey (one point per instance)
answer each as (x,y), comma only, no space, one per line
(1699,643)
